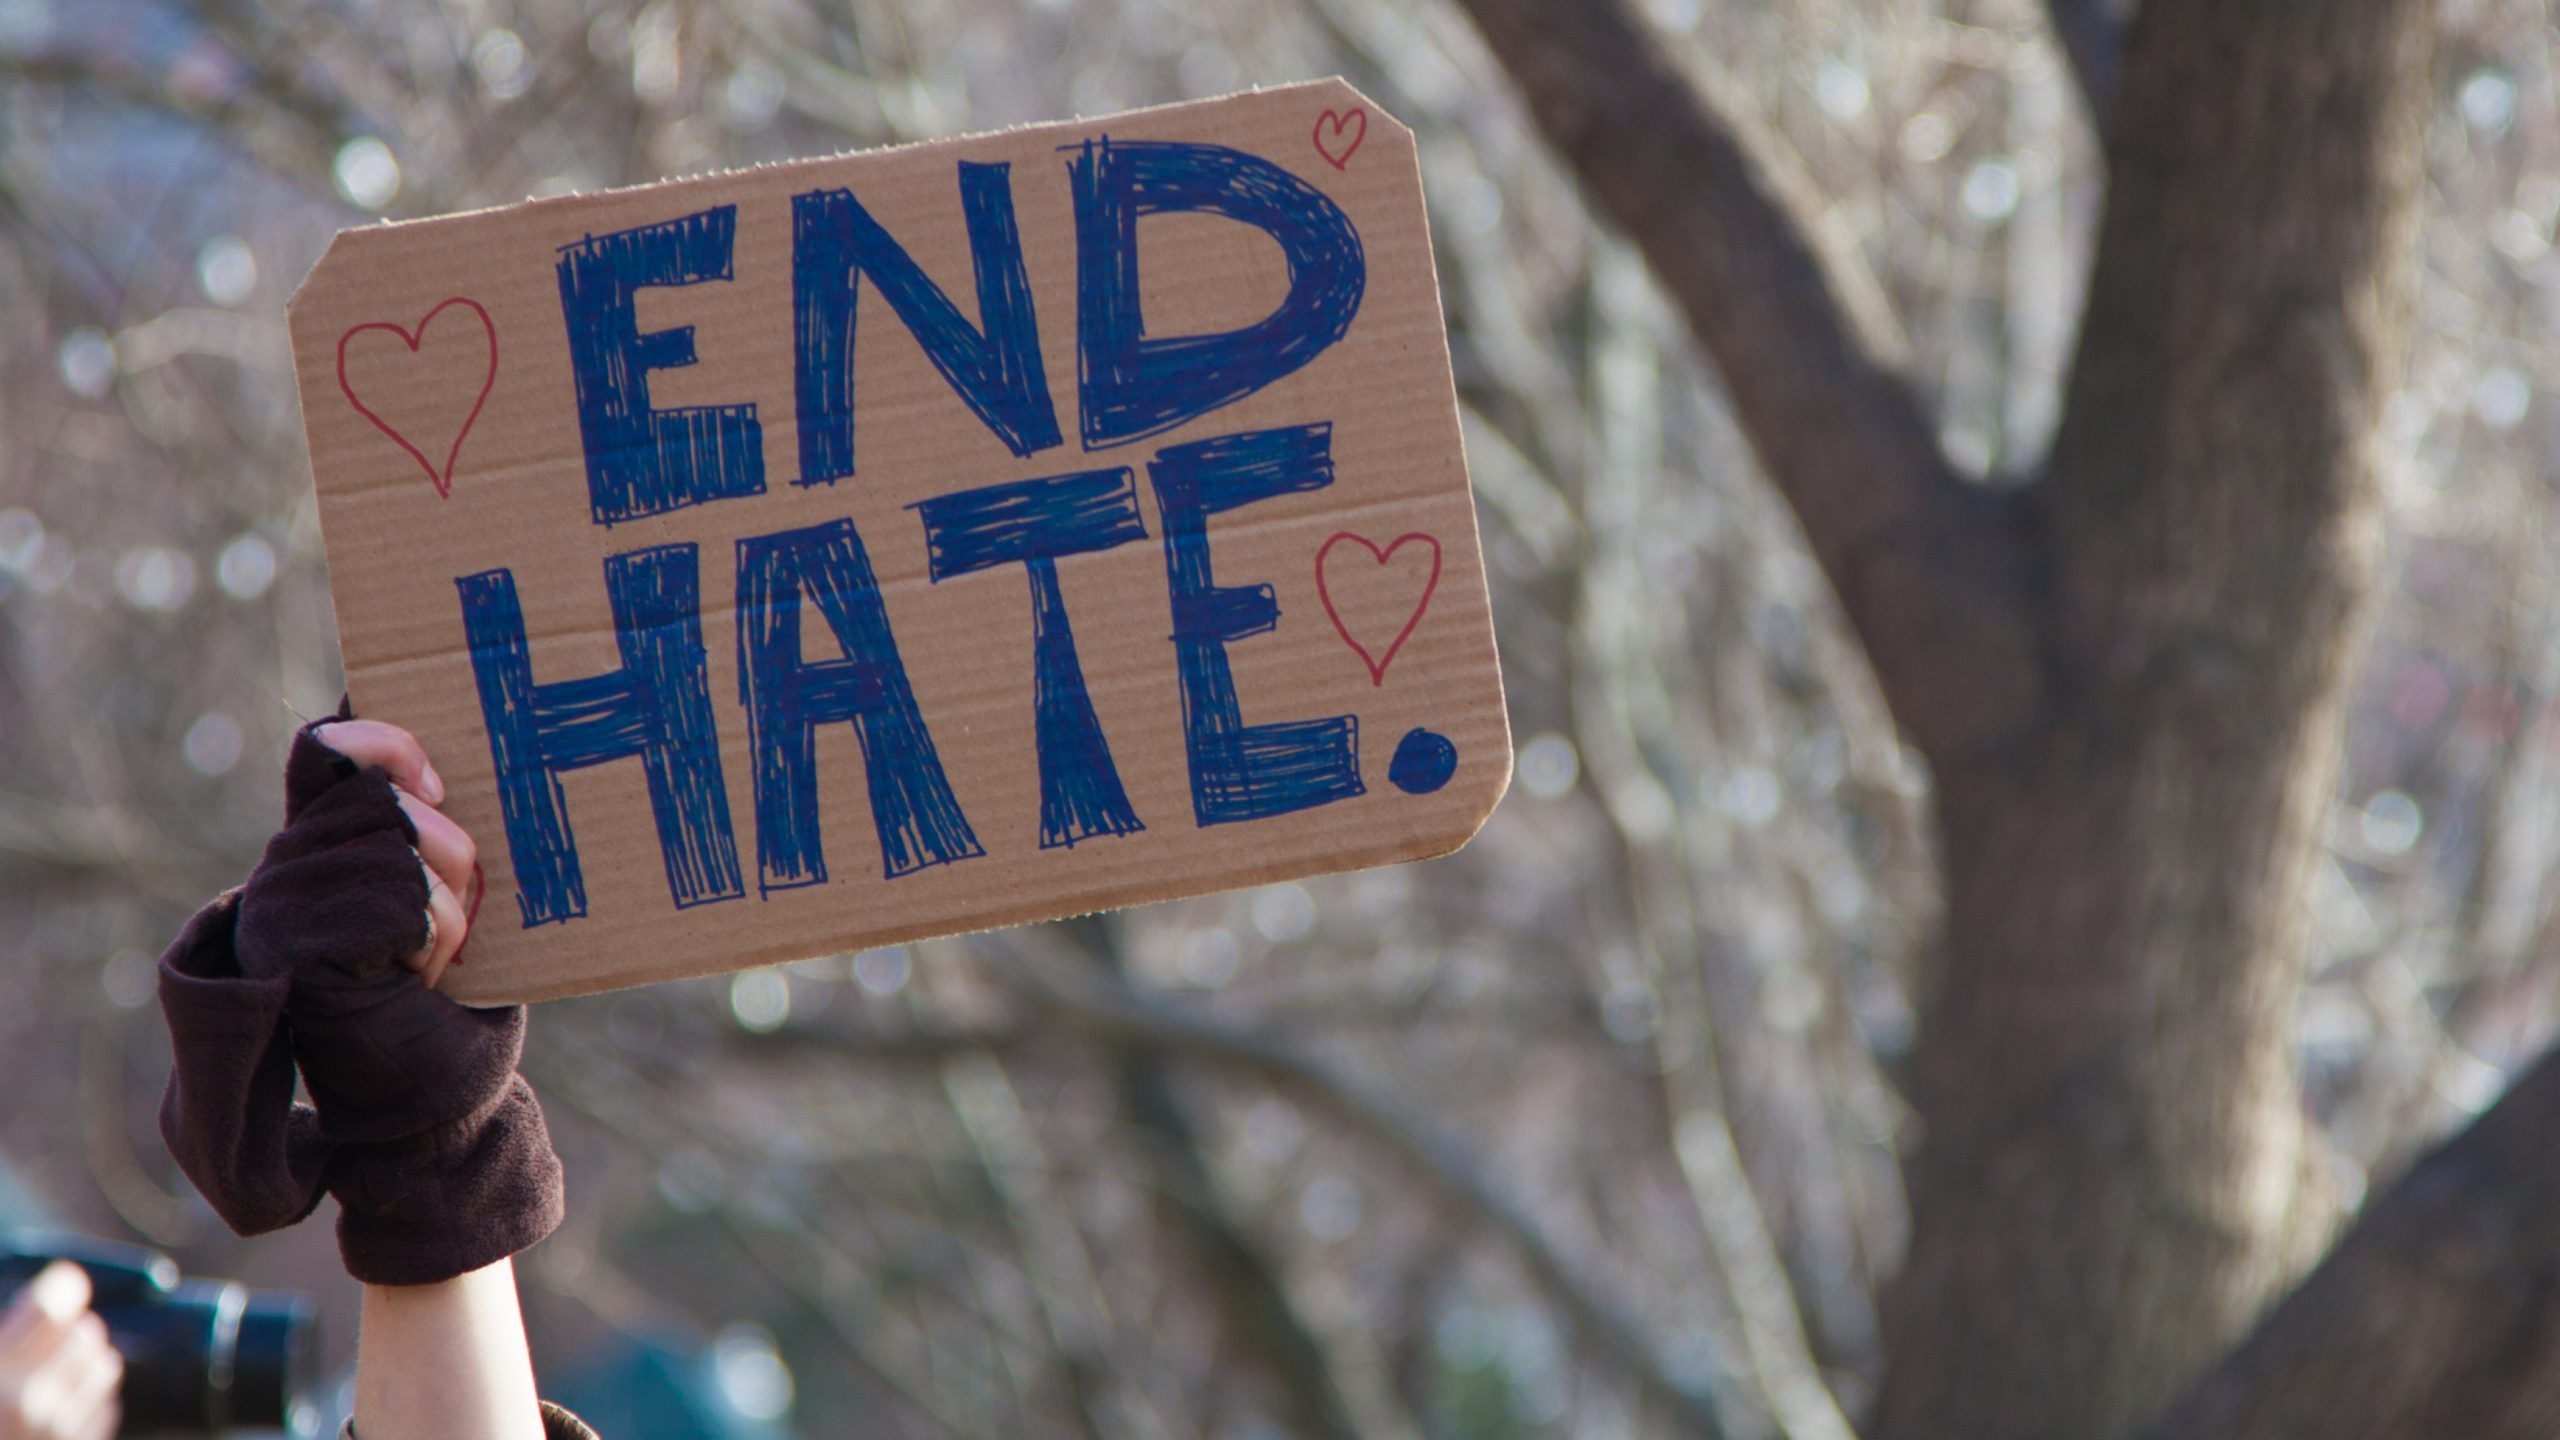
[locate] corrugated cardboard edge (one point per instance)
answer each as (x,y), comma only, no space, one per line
(358,235)
(1403,850)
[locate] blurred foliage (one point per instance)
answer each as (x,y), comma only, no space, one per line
(1537,1140)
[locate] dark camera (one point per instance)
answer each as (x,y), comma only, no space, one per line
(200,1356)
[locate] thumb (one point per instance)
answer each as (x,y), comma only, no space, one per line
(51,1301)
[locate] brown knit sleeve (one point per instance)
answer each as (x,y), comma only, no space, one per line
(229,1114)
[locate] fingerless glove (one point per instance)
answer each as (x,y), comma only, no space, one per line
(419,1124)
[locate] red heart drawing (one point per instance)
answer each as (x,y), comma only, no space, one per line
(442,478)
(1377,664)
(1338,135)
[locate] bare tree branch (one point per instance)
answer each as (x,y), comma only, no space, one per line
(1123,1017)
(294,143)
(1052,1254)
(1927,569)
(1447,1166)
(2435,1315)
(1255,1305)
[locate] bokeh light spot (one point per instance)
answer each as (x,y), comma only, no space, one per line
(87,359)
(368,174)
(213,744)
(245,568)
(1549,766)
(760,1001)
(227,270)
(155,577)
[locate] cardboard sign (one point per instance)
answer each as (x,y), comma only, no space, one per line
(856,550)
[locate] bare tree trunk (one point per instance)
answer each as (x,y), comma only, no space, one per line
(2129,797)
(2438,1314)
(2105,1191)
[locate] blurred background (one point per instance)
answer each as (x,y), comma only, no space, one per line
(1594,1122)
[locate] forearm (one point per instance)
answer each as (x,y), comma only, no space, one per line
(446,1361)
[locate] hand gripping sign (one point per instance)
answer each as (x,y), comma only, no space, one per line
(858,550)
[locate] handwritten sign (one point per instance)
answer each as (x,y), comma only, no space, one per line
(857,550)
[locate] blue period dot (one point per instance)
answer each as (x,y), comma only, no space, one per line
(1424,762)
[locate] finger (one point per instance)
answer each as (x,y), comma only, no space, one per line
(108,1420)
(371,742)
(448,848)
(88,1406)
(92,1343)
(40,1318)
(61,1393)
(452,927)
(106,1423)
(446,922)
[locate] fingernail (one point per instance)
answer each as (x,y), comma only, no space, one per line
(61,1291)
(434,784)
